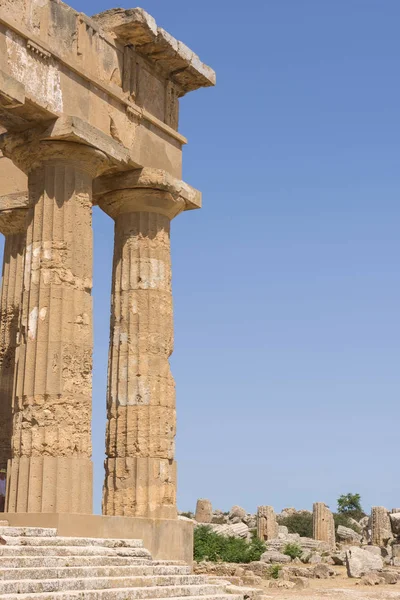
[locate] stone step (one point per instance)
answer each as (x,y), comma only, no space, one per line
(173,582)
(73,551)
(22,561)
(27,532)
(47,572)
(71,541)
(122,594)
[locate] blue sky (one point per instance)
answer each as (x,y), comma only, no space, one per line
(286,283)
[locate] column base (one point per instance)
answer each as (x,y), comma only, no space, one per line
(167,539)
(48,484)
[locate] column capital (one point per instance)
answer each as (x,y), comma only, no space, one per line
(13,212)
(29,152)
(148,190)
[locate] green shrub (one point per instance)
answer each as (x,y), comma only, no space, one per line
(274,571)
(293,550)
(350,505)
(301,523)
(211,546)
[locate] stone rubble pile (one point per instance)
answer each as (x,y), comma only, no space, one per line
(369,548)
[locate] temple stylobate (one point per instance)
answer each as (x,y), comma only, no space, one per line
(90,110)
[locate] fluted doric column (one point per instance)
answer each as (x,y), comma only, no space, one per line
(51,468)
(381,528)
(267,525)
(140,468)
(323,524)
(13,227)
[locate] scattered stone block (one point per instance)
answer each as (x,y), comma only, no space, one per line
(365,524)
(390,577)
(348,535)
(219,518)
(252,581)
(282,583)
(247,592)
(395,522)
(237,512)
(372,578)
(315,559)
(300,582)
(322,571)
(275,557)
(240,530)
(360,561)
(339,558)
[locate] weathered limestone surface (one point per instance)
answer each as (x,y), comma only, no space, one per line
(395,522)
(140,441)
(323,524)
(381,529)
(267,525)
(80,98)
(359,562)
(139,29)
(12,180)
(51,469)
(204,511)
(13,226)
(57,62)
(40,563)
(347,535)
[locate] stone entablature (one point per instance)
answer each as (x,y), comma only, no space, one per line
(56,62)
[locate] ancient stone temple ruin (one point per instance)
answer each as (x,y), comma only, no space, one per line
(89,110)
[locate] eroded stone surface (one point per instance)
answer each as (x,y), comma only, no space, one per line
(137,28)
(323,524)
(204,511)
(267,525)
(37,562)
(80,97)
(13,268)
(381,528)
(359,562)
(51,469)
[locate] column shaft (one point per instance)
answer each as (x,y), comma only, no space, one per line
(323,524)
(267,525)
(381,528)
(51,469)
(11,290)
(140,440)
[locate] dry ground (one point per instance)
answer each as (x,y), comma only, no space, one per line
(337,588)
